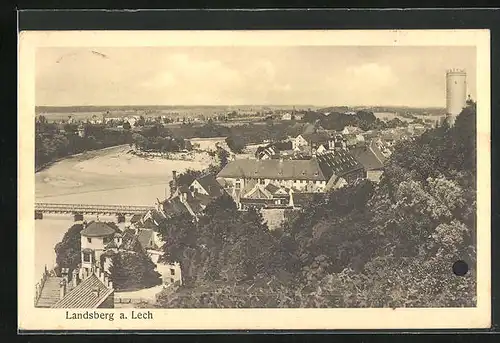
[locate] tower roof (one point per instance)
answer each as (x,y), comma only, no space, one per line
(97,229)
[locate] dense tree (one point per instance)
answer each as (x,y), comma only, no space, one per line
(68,251)
(52,142)
(236,144)
(366,245)
(132,270)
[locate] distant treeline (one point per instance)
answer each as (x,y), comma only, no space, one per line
(69,109)
(55,141)
(408,110)
(159,138)
(362,119)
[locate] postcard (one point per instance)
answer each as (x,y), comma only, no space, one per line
(254,180)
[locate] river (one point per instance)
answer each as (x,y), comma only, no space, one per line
(109,176)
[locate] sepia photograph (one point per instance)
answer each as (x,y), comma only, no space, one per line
(253,173)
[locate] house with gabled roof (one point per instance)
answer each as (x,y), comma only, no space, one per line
(311,140)
(372,159)
(207,185)
(94,291)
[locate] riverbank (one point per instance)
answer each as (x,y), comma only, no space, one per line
(109,176)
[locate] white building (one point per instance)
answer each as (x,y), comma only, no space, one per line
(95,238)
(456,93)
(323,172)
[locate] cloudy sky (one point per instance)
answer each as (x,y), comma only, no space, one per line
(315,75)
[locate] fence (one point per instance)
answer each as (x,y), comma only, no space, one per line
(40,284)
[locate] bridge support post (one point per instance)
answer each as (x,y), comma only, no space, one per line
(38,215)
(78,217)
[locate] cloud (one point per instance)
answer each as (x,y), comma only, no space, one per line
(211,71)
(163,80)
(371,74)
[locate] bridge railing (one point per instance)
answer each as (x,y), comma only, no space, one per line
(90,207)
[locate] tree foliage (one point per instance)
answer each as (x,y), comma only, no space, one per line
(390,244)
(132,270)
(54,141)
(68,250)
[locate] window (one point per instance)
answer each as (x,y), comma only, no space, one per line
(172,271)
(172,280)
(86,257)
(89,240)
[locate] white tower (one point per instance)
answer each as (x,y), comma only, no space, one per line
(456,93)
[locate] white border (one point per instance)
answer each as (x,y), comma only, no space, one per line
(31,318)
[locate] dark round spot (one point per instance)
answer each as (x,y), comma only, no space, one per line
(460,268)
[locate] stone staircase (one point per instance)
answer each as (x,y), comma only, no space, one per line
(50,292)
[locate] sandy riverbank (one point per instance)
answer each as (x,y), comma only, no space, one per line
(109,176)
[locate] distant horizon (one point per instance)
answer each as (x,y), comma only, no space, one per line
(245,105)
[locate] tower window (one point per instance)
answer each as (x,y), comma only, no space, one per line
(172,271)
(89,240)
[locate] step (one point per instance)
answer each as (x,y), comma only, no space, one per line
(50,292)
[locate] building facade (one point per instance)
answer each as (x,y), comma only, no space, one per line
(318,174)
(456,93)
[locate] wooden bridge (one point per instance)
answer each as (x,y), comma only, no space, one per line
(81,209)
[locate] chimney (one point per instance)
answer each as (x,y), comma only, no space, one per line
(74,278)
(102,277)
(174,181)
(290,203)
(62,288)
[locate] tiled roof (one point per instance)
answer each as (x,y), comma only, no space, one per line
(203,198)
(174,206)
(157,216)
(97,229)
(135,218)
(145,238)
(210,185)
(367,158)
(130,241)
(338,163)
(271,188)
(83,295)
(194,202)
(273,169)
(316,137)
(111,245)
(149,224)
(321,168)
(258,192)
